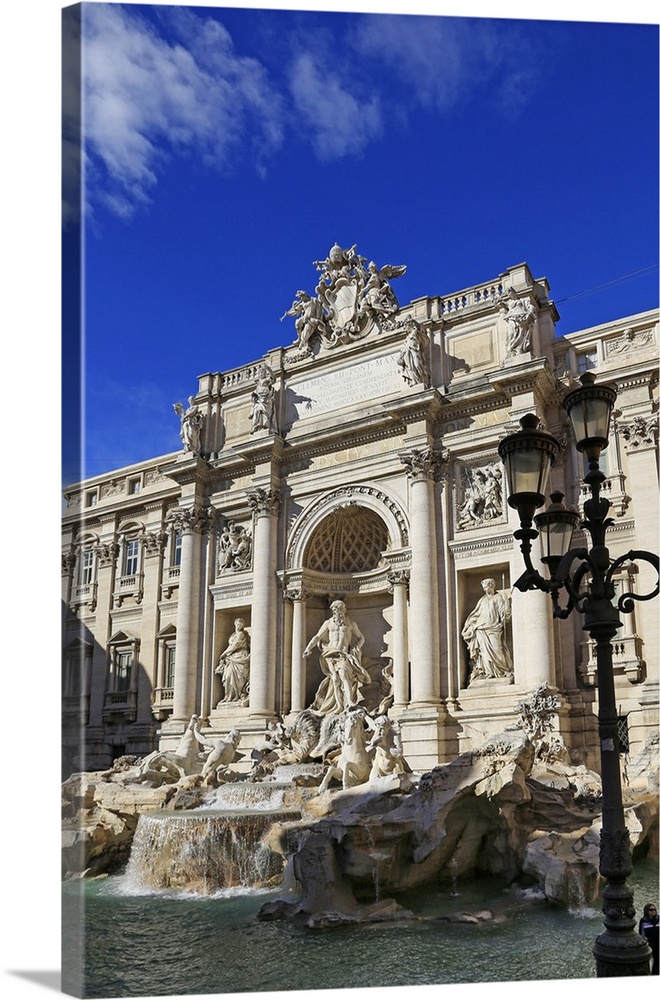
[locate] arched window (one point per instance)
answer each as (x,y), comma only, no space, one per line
(350,540)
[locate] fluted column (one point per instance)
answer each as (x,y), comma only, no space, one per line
(641,434)
(532,628)
(423,467)
(265,505)
(190,521)
(298,597)
(398,587)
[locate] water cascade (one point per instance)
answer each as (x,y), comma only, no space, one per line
(216,846)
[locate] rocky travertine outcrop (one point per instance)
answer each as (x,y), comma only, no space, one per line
(499,809)
(513,807)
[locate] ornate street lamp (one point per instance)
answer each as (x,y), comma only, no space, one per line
(586,577)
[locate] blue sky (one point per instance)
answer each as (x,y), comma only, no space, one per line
(227,149)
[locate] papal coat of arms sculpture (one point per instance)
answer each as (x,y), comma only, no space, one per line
(352,299)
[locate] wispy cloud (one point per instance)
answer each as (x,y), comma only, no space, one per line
(336,122)
(175,85)
(441,63)
(147,97)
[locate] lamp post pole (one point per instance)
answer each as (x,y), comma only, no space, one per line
(585,576)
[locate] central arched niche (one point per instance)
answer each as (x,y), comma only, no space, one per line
(351,539)
(348,542)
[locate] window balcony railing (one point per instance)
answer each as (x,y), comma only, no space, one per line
(83,593)
(76,706)
(163,702)
(131,585)
(121,704)
(626,659)
(171,579)
(613,489)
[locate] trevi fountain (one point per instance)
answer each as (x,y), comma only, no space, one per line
(322,843)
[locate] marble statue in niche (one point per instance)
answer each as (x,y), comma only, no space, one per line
(234,666)
(483,631)
(340,643)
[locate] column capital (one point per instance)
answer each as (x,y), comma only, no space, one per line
(640,432)
(424,463)
(295,592)
(106,553)
(190,519)
(397,578)
(68,562)
(264,502)
(154,542)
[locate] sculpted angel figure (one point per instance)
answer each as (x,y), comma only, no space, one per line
(191,425)
(377,293)
(310,316)
(340,642)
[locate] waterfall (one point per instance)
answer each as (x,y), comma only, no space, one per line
(202,851)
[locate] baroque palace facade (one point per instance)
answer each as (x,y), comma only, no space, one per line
(359,464)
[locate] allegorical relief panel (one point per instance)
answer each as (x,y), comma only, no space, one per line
(479,495)
(234,549)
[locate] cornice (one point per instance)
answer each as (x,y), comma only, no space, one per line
(468,546)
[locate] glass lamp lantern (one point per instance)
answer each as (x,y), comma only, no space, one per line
(556,525)
(528,456)
(590,408)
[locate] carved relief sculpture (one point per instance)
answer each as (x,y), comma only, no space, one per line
(483,632)
(351,300)
(482,495)
(412,357)
(191,425)
(262,413)
(234,666)
(235,549)
(340,642)
(520,316)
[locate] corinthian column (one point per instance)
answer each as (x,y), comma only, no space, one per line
(190,521)
(266,505)
(641,436)
(398,586)
(423,468)
(298,596)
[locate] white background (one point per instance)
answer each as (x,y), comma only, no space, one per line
(31,495)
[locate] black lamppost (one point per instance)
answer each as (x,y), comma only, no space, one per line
(586,578)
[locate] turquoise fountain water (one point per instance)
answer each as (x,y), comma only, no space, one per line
(160,942)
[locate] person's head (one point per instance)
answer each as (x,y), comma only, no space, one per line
(488,585)
(650,911)
(338,609)
(238,624)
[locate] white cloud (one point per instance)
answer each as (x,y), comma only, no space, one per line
(336,122)
(147,97)
(441,62)
(174,85)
